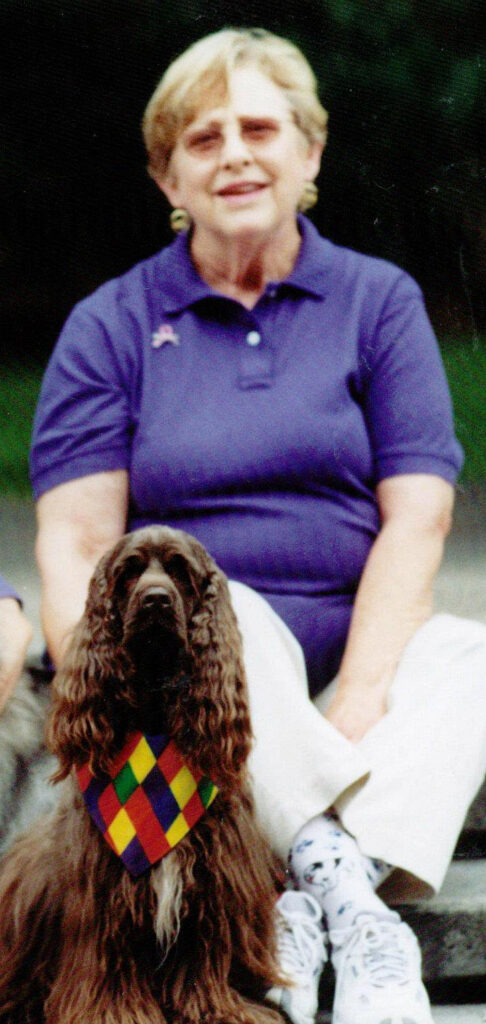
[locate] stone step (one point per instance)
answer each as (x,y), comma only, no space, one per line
(476,818)
(451,927)
(441,1014)
(459,1014)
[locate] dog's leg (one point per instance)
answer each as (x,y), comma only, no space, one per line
(208,999)
(88,1006)
(216,921)
(246,891)
(109,955)
(103,982)
(77,943)
(254,1013)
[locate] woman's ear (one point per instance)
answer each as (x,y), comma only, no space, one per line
(314,156)
(168,185)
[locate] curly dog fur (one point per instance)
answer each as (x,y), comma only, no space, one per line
(193,939)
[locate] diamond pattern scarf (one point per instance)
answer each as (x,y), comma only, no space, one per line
(148,802)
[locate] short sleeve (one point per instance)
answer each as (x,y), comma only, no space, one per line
(406,400)
(84,418)
(7,591)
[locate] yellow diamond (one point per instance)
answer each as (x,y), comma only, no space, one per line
(183,785)
(177,830)
(141,760)
(121,831)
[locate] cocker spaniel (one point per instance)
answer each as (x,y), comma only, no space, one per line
(148,895)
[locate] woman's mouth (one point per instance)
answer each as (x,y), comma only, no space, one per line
(241,190)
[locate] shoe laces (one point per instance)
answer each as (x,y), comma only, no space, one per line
(300,944)
(379,949)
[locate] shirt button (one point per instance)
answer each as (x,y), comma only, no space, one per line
(253,338)
(272,291)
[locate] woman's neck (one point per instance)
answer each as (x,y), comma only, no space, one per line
(242,267)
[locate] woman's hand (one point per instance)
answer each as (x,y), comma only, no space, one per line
(15,637)
(355,714)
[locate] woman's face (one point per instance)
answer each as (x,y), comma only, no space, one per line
(239,168)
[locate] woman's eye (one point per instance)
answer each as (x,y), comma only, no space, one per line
(204,141)
(258,131)
(207,141)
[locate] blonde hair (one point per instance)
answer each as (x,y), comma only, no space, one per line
(200,76)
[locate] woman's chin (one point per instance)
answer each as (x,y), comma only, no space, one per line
(245,222)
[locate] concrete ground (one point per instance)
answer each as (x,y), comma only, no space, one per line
(460,588)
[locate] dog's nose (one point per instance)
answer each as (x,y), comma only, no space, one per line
(156,595)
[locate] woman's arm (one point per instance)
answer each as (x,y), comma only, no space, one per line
(394,596)
(15,637)
(77,522)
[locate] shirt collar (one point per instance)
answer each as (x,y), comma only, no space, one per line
(182,286)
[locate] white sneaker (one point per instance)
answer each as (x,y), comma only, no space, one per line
(302,955)
(378,974)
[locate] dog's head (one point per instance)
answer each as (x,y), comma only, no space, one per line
(151,584)
(157,649)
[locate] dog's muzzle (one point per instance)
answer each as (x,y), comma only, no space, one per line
(155,596)
(155,632)
(152,605)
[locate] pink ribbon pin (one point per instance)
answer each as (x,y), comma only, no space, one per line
(164,335)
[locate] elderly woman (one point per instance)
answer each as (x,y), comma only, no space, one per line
(283,400)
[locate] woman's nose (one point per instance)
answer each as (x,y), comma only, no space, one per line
(234,150)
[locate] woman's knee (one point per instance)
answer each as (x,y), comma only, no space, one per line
(450,637)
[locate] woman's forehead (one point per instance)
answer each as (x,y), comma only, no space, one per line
(248,92)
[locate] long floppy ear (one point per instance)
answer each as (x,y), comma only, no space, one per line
(216,731)
(82,724)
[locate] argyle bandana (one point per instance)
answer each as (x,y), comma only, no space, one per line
(148,802)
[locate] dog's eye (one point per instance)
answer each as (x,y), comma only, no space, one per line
(177,568)
(132,568)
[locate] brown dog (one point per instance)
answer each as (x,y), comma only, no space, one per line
(192,937)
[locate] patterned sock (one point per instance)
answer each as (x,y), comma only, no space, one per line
(326,861)
(377,870)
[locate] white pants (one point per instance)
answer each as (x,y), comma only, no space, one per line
(405,789)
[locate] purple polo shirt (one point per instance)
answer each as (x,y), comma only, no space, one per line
(261,432)
(7,591)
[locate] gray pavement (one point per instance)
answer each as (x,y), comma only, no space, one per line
(460,589)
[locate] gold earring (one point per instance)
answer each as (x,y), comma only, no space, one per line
(309,197)
(180,220)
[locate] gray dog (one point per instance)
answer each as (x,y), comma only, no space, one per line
(25,764)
